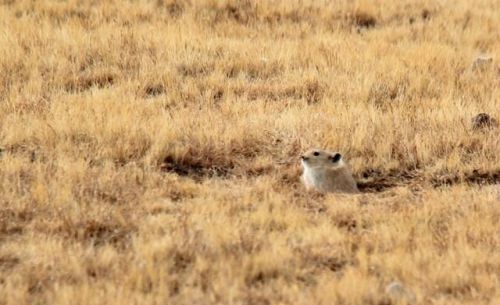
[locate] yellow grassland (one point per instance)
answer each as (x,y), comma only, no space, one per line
(149,151)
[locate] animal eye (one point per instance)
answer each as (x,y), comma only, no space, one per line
(316,153)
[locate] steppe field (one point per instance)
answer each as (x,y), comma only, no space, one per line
(149,152)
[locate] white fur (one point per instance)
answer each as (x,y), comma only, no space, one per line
(315,176)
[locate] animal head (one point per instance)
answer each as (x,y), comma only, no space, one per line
(320,158)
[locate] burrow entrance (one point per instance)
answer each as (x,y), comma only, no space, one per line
(372,181)
(369,181)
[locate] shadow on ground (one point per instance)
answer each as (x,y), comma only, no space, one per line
(374,181)
(369,181)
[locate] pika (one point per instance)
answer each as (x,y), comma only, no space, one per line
(327,172)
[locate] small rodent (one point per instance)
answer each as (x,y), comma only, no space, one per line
(327,172)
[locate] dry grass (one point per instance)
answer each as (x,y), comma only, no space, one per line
(148,151)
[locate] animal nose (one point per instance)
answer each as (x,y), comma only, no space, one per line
(303,157)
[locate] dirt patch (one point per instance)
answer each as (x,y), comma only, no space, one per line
(426,14)
(378,185)
(241,12)
(311,91)
(195,70)
(484,121)
(86,80)
(181,260)
(195,169)
(7,262)
(375,181)
(153,90)
(96,232)
(102,233)
(474,177)
(174,8)
(363,19)
(262,277)
(13,222)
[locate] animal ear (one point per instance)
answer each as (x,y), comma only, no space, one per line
(336,158)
